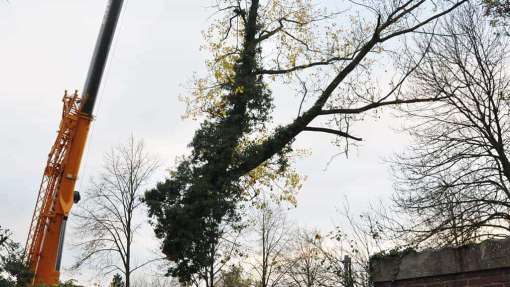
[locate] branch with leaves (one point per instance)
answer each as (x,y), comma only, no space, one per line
(256,45)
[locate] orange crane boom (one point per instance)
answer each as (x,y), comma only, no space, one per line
(43,250)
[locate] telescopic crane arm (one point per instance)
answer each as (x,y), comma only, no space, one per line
(56,197)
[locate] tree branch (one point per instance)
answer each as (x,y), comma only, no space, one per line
(377,105)
(302,67)
(331,131)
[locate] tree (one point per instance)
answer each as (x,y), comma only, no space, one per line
(454,181)
(305,264)
(13,270)
(155,281)
(497,7)
(221,253)
(273,239)
(315,260)
(108,217)
(69,283)
(255,46)
(117,281)
(348,248)
(233,277)
(4,237)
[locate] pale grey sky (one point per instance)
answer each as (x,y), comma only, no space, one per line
(45,49)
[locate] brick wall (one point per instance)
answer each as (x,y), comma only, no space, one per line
(482,265)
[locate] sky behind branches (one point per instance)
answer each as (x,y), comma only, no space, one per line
(46,47)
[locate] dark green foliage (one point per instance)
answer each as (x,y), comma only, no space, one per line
(117,281)
(14,266)
(69,283)
(203,191)
(4,236)
(203,194)
(398,251)
(498,7)
(13,271)
(498,11)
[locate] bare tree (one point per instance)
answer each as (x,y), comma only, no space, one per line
(154,281)
(305,263)
(289,257)
(107,218)
(454,181)
(234,277)
(219,256)
(348,248)
(273,232)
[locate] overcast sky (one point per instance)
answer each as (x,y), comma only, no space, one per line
(46,47)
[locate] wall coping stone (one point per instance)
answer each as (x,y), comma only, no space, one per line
(491,254)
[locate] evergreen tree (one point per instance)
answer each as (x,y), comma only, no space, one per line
(117,281)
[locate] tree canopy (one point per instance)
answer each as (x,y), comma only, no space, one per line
(328,57)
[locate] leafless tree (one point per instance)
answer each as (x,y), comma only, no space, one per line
(235,277)
(351,244)
(227,248)
(154,281)
(273,235)
(286,256)
(107,217)
(454,181)
(338,258)
(305,262)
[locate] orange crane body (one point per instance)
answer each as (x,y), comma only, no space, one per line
(44,245)
(43,250)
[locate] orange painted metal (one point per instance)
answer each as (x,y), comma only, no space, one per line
(56,193)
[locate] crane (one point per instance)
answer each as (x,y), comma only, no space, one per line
(43,249)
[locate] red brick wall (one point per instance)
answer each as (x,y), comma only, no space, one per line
(486,278)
